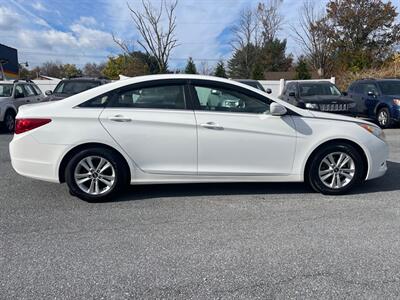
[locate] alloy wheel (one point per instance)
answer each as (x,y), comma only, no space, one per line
(336,170)
(383,118)
(95,175)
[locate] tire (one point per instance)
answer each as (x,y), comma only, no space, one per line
(383,118)
(95,174)
(325,162)
(9,121)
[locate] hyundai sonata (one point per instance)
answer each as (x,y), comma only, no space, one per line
(189,128)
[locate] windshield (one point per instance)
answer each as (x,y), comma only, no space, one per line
(74,87)
(318,89)
(6,90)
(390,87)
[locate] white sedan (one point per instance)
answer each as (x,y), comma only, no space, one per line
(189,128)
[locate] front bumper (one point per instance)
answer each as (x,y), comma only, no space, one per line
(377,158)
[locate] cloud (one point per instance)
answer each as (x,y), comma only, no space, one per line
(8,19)
(39,6)
(87,21)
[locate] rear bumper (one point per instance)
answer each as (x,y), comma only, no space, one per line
(33,159)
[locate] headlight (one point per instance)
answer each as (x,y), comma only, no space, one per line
(376,131)
(311,106)
(396,102)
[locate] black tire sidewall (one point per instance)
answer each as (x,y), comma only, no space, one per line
(12,114)
(120,174)
(313,174)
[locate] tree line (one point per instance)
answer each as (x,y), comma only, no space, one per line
(345,36)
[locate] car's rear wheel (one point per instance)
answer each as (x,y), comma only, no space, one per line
(383,117)
(335,169)
(9,121)
(95,174)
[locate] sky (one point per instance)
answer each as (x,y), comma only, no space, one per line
(80,31)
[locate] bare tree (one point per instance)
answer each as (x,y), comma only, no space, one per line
(310,34)
(257,27)
(157,27)
(269,18)
(246,31)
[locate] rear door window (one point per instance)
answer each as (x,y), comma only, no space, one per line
(29,91)
(154,97)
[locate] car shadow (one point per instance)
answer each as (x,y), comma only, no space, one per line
(390,182)
(387,183)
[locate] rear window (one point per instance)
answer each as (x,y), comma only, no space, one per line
(74,87)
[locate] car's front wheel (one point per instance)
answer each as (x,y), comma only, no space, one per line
(95,174)
(335,169)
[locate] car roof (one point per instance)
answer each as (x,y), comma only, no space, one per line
(246,80)
(377,79)
(6,82)
(102,89)
(313,82)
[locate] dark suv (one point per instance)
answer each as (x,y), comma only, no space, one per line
(73,86)
(378,99)
(317,95)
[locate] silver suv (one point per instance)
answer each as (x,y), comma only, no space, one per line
(13,94)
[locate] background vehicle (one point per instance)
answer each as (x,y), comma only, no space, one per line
(188,128)
(13,94)
(317,95)
(68,87)
(254,83)
(378,99)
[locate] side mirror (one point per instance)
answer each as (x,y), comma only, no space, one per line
(48,92)
(268,91)
(292,94)
(277,109)
(371,93)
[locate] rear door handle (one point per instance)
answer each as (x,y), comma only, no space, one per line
(212,125)
(119,118)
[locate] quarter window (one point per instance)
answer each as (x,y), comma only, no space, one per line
(98,102)
(157,97)
(220,99)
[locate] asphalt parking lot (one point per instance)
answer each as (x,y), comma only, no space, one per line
(200,241)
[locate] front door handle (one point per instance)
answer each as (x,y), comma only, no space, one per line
(119,118)
(212,125)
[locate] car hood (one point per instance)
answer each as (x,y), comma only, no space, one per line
(336,117)
(319,99)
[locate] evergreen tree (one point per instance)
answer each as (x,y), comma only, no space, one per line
(190,67)
(301,69)
(220,70)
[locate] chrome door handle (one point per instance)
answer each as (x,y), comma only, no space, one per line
(212,125)
(119,118)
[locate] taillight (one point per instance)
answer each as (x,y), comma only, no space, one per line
(24,125)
